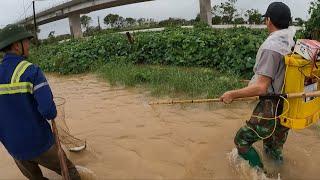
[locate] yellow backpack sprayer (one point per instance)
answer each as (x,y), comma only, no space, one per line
(301,76)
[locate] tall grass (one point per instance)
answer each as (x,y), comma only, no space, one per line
(169,80)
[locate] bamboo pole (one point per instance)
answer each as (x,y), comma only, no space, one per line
(255,98)
(62,159)
(303,95)
(201,101)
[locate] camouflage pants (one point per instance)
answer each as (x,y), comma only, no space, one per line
(273,145)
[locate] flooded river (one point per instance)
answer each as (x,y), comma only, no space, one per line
(128,139)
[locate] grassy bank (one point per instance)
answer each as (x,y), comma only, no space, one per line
(170,81)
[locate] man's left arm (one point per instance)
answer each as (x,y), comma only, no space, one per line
(43,94)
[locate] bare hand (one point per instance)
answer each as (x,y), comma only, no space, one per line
(227,97)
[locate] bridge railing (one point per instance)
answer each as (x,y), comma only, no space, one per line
(52,5)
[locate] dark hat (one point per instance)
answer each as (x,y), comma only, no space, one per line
(13,33)
(279,14)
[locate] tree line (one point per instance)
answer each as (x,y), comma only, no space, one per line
(227,13)
(115,21)
(224,13)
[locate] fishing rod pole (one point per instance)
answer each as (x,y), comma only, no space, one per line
(255,98)
(62,158)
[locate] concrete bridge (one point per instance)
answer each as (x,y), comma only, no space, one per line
(74,8)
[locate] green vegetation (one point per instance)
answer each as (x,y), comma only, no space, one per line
(226,13)
(169,80)
(85,21)
(313,24)
(230,50)
(198,62)
(254,17)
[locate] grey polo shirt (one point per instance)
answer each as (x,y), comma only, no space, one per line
(270,64)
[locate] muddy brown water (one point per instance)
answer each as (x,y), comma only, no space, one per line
(128,139)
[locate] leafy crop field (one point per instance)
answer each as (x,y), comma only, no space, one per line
(230,50)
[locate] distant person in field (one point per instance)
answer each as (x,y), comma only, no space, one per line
(26,103)
(269,71)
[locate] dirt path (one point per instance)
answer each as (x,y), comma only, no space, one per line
(128,139)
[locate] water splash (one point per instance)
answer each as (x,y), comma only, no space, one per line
(85,173)
(244,170)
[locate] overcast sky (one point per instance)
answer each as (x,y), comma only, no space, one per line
(12,10)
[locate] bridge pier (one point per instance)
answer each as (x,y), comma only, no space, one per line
(75,26)
(205,11)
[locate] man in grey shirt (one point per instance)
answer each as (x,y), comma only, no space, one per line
(269,77)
